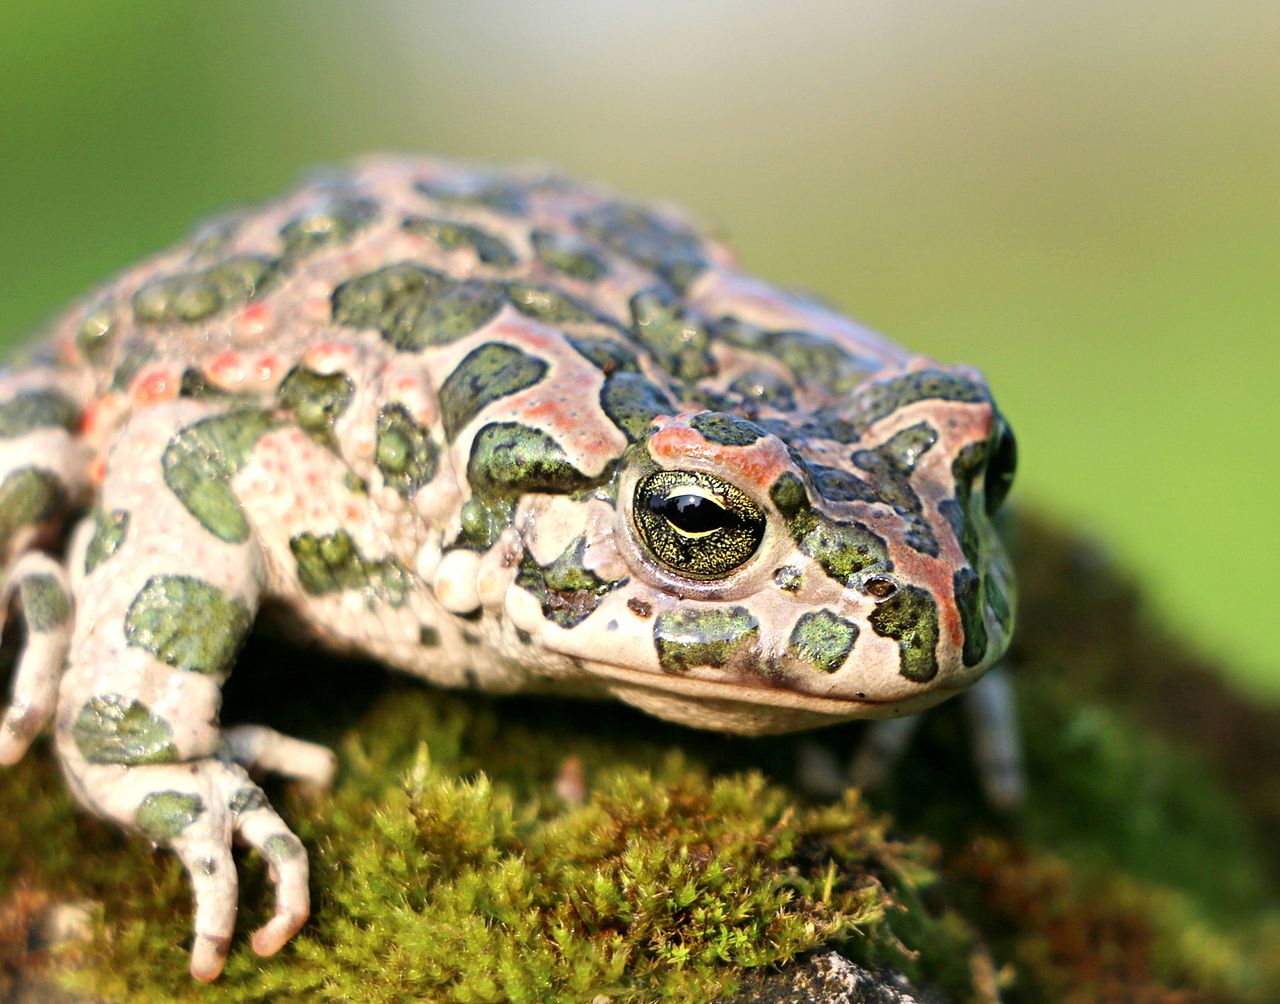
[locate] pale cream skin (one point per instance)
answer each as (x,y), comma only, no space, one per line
(417,408)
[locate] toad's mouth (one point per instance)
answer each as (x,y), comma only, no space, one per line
(746,708)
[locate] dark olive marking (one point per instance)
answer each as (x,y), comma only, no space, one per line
(719,637)
(679,342)
(29,496)
(568,591)
(789,495)
(549,305)
(910,617)
(187,297)
(500,196)
(810,358)
(414,307)
(509,459)
(404,451)
(874,400)
(823,639)
(968,591)
(568,255)
(632,403)
(94,336)
(607,355)
(819,425)
(29,410)
(316,400)
(728,430)
(713,400)
(428,637)
(1001,466)
(695,523)
(45,604)
(788,578)
(135,357)
(247,799)
(163,815)
(337,221)
(187,623)
(891,465)
(200,461)
(453,236)
(673,252)
(641,608)
(762,387)
(195,384)
(998,600)
(112,728)
(332,563)
(109,530)
(491,371)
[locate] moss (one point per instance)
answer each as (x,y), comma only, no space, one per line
(445,868)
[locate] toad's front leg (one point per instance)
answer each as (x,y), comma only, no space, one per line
(173,576)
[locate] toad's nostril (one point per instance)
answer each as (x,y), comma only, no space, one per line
(879,587)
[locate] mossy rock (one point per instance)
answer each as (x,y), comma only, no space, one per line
(448,865)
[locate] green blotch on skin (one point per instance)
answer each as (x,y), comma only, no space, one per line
(500,196)
(607,355)
(332,563)
(788,578)
(632,403)
(998,600)
(481,524)
(453,236)
(187,623)
(413,307)
(109,531)
(29,410)
(891,465)
(567,589)
(549,305)
(823,639)
(966,467)
(509,459)
(246,800)
(810,358)
(568,255)
(679,342)
(114,729)
(195,384)
(968,591)
(316,400)
(163,815)
(717,637)
(200,461)
(728,430)
(675,253)
(910,617)
(28,497)
(489,372)
(93,337)
(188,297)
(44,602)
(281,847)
(336,222)
(404,451)
(873,401)
(842,549)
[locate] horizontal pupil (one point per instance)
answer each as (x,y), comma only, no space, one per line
(693,513)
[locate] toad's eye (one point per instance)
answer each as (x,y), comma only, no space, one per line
(697,524)
(1000,467)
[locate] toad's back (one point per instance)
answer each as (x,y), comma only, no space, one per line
(497,430)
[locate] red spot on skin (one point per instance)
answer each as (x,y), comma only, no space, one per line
(552,412)
(226,369)
(98,470)
(352,513)
(757,465)
(327,353)
(253,320)
(154,385)
(268,366)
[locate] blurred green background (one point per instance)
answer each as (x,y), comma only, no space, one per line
(1081,198)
